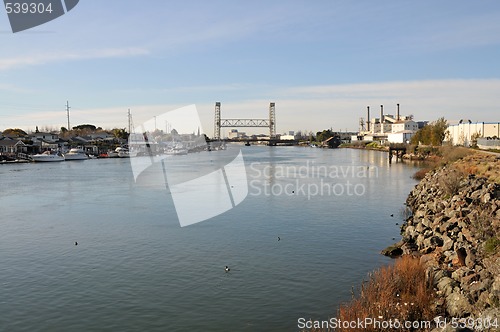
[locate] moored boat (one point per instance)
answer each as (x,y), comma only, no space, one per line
(124,152)
(75,154)
(177,150)
(112,154)
(48,156)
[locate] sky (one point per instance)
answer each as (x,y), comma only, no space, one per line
(321,62)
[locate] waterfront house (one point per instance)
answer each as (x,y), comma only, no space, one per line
(47,137)
(10,146)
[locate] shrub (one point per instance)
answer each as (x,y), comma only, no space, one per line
(492,245)
(451,181)
(400,292)
(374,145)
(419,175)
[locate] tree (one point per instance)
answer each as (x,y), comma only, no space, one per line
(431,134)
(88,127)
(14,132)
(439,129)
(322,136)
(120,133)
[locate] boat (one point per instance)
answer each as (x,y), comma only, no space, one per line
(177,150)
(112,154)
(48,156)
(124,152)
(76,154)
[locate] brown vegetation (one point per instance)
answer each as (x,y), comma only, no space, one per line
(481,165)
(398,292)
(439,156)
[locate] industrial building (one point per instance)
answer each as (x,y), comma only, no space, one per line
(463,132)
(387,127)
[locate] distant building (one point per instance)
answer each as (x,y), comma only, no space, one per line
(290,136)
(234,134)
(47,137)
(463,132)
(387,127)
(488,143)
(11,146)
(403,136)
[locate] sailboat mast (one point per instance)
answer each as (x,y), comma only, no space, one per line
(129,122)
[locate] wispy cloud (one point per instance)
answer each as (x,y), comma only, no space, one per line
(40,59)
(476,99)
(312,107)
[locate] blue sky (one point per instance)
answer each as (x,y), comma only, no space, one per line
(322,62)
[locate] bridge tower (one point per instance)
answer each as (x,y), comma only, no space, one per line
(272,120)
(217,123)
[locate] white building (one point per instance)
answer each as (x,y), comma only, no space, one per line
(48,137)
(403,136)
(289,137)
(401,126)
(234,133)
(461,133)
(387,127)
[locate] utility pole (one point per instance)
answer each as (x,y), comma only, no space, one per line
(67,113)
(129,122)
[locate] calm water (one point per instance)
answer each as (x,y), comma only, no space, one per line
(136,269)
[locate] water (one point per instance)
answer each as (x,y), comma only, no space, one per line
(136,269)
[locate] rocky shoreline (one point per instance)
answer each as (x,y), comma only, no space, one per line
(453,225)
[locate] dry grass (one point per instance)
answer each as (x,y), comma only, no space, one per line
(450,154)
(399,291)
(481,165)
(466,161)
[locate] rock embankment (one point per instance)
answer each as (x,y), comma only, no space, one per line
(454,227)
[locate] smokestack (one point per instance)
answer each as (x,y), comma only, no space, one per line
(397,115)
(381,119)
(368,118)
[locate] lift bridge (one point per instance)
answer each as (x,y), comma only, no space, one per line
(237,123)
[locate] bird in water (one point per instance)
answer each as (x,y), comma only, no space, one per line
(76,243)
(227,269)
(279,238)
(392,215)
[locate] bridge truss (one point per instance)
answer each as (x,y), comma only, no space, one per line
(236,123)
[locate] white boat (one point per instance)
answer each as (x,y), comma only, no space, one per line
(112,154)
(177,150)
(48,156)
(75,154)
(124,153)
